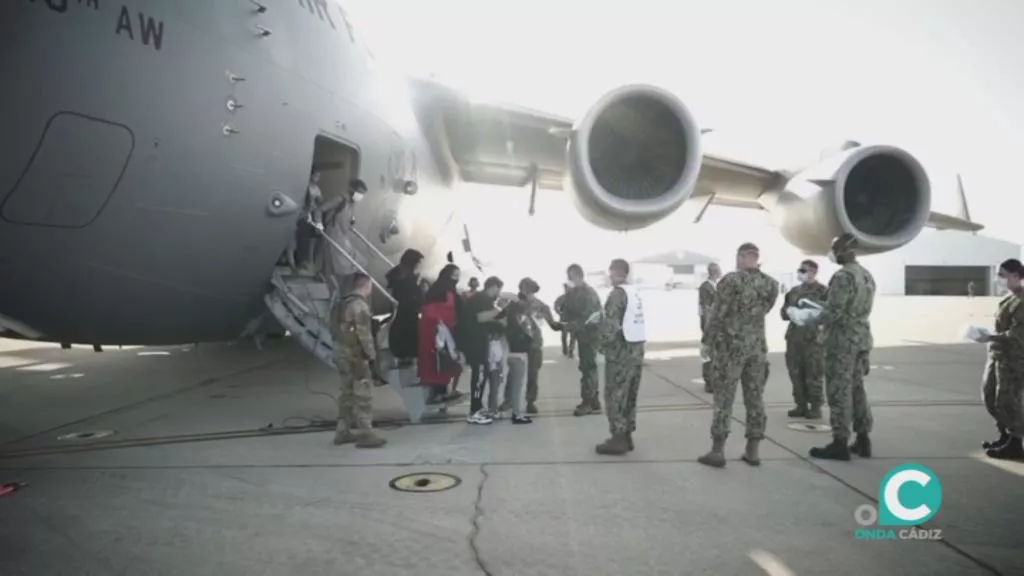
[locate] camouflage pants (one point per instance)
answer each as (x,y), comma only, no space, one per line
(621,387)
(806,365)
(355,403)
(844,385)
(1002,390)
(589,389)
(751,371)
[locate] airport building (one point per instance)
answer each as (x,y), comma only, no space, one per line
(942,264)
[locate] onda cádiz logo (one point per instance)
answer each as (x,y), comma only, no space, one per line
(909,496)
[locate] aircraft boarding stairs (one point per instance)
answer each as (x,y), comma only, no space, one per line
(302,304)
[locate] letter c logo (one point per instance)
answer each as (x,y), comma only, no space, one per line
(910,495)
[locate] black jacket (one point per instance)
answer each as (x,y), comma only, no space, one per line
(403,337)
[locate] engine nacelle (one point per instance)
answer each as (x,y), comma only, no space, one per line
(634,158)
(881,194)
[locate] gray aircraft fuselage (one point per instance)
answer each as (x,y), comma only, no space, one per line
(144,142)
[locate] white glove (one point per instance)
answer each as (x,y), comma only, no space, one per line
(794,315)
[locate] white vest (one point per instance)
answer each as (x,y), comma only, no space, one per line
(634,328)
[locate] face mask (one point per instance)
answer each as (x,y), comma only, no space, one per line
(571,283)
(357,197)
(801,277)
(1003,283)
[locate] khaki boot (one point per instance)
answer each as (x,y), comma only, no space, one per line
(344,436)
(716,457)
(370,440)
(617,445)
(814,413)
(750,454)
(799,412)
(586,408)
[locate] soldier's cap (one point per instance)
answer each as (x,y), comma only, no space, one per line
(493,281)
(357,185)
(748,247)
(845,243)
(528,286)
(809,264)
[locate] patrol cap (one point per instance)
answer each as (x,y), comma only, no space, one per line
(845,243)
(748,247)
(357,185)
(809,264)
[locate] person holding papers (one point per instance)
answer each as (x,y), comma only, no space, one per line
(847,338)
(805,359)
(622,334)
(1003,385)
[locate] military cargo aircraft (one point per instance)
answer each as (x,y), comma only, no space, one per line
(156,155)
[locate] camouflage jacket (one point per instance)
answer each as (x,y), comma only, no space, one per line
(352,328)
(737,317)
(612,342)
(815,291)
(706,298)
(846,316)
(1008,339)
(579,304)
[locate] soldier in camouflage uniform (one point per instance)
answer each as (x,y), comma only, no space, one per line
(705,301)
(1004,373)
(535,309)
(568,338)
(847,339)
(736,337)
(354,353)
(623,368)
(805,358)
(582,301)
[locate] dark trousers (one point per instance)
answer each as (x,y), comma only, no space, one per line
(568,343)
(479,377)
(534,360)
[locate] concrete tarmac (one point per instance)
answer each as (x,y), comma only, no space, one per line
(215,464)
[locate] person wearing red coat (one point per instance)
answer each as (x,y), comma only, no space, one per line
(441,306)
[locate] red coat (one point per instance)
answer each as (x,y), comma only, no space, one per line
(432,313)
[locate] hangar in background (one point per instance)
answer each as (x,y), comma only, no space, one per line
(942,264)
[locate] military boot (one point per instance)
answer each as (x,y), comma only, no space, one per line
(617,445)
(586,408)
(799,412)
(813,413)
(861,446)
(1013,449)
(344,437)
(715,458)
(837,450)
(750,455)
(1004,437)
(531,408)
(370,440)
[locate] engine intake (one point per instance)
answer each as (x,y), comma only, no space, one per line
(880,194)
(634,158)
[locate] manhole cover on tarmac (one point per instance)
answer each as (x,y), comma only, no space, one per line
(425,482)
(86,435)
(809,427)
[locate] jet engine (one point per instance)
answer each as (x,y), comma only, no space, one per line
(881,194)
(634,158)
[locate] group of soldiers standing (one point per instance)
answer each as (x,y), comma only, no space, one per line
(833,346)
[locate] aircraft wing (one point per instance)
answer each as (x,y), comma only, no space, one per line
(507,145)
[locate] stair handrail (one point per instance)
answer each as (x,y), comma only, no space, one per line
(373,248)
(320,229)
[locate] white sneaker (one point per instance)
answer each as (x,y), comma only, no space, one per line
(480,417)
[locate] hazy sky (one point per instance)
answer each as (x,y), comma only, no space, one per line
(777,80)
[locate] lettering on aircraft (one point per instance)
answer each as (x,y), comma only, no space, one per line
(61,6)
(151,32)
(318,8)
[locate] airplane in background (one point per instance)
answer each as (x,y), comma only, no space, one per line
(156,155)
